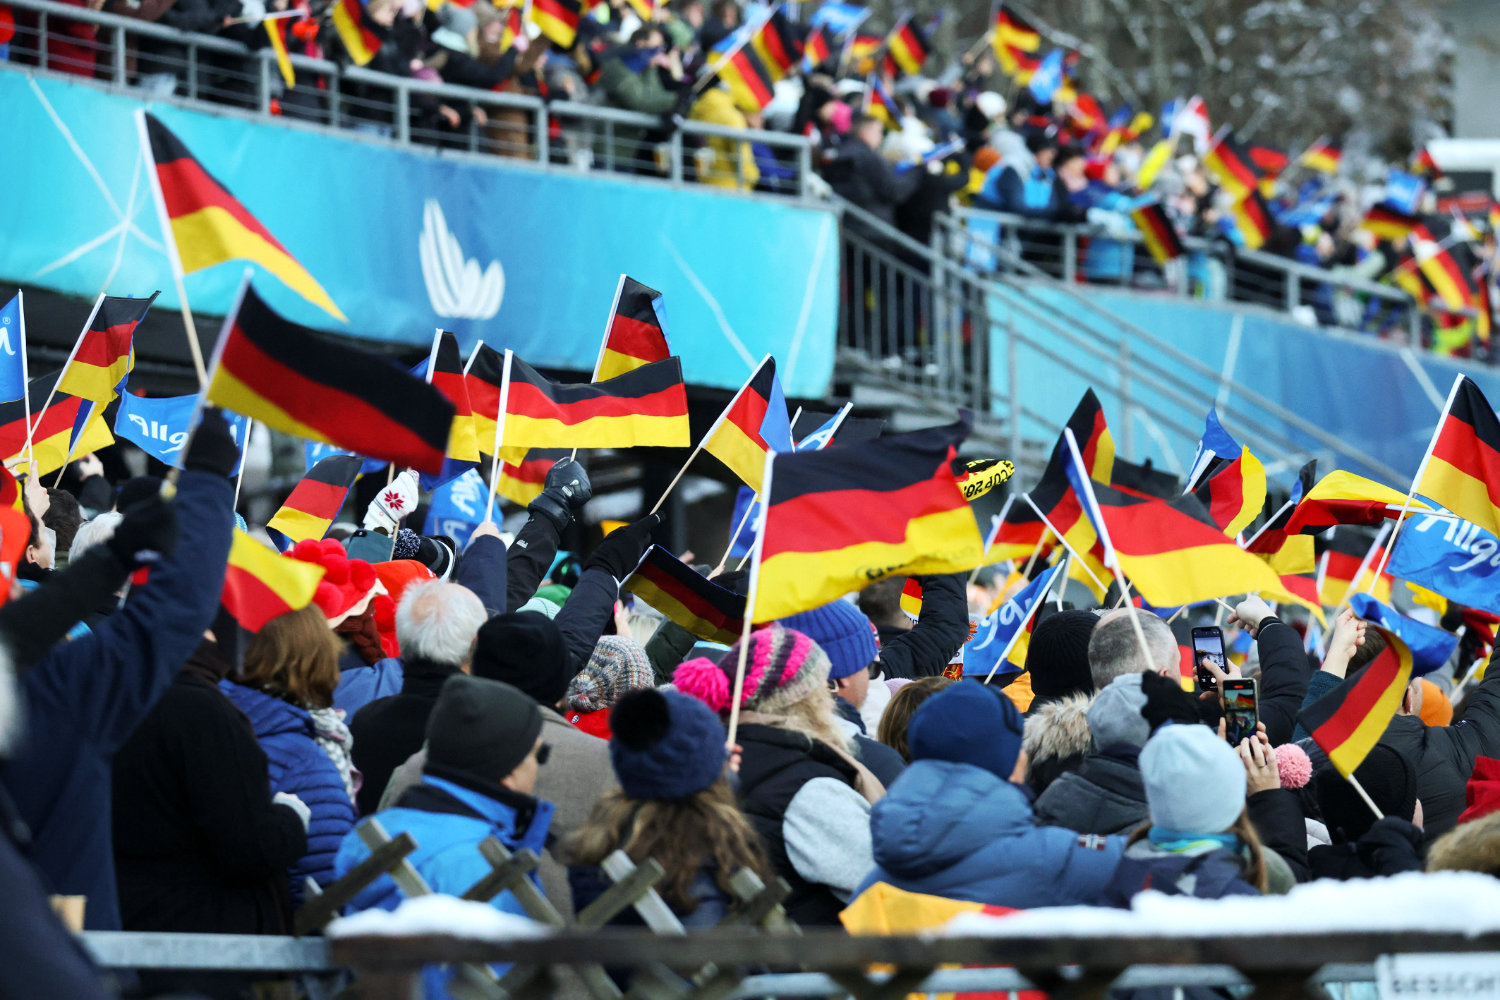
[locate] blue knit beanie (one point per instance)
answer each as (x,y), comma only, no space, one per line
(968,723)
(843,632)
(665,745)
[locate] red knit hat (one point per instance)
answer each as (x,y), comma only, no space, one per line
(347,583)
(395,576)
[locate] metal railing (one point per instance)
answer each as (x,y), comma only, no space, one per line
(1211,269)
(228,76)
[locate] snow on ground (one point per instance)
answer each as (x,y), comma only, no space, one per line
(438,914)
(1455,902)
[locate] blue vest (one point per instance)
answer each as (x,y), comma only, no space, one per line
(1038,188)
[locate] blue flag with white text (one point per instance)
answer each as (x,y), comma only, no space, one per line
(12,384)
(160,428)
(1430,646)
(995,632)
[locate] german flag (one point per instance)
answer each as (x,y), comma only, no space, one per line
(1339,573)
(299,382)
(522,482)
(693,602)
(484,377)
(1348,721)
(558,20)
(1235,494)
(815,51)
(748,78)
(1388,223)
(879,103)
(10,491)
(911,598)
(1285,553)
(276,35)
(1268,160)
(754,422)
(1300,589)
(776,45)
(646,407)
(1228,161)
(511,28)
(447,377)
(1157,232)
(1253,219)
(359,41)
(260,585)
(56,431)
(1323,157)
(208,225)
(912,519)
(1423,165)
(637,331)
(1012,37)
(906,47)
(1442,270)
(1462,471)
(1344,498)
(316,501)
(103,355)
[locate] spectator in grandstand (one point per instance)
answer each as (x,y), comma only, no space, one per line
(723,19)
(644,76)
(800,784)
(286,691)
(1107,260)
(723,161)
(956,825)
(485,749)
(1036,193)
(861,176)
(683,23)
(674,805)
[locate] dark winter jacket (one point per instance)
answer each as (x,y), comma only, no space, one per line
(926,649)
(958,831)
(1284,677)
(527,560)
(199,844)
(300,767)
(388,731)
(859,175)
(1206,872)
(1104,796)
(883,761)
(483,569)
(1391,846)
(360,684)
(85,698)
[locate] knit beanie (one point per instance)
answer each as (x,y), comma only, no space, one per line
(666,745)
(1195,783)
(617,665)
(1058,656)
(843,632)
(479,730)
(968,723)
(541,605)
(406,544)
(1388,777)
(1115,715)
(526,649)
(782,667)
(554,592)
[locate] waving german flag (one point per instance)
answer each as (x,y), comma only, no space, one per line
(637,331)
(739,65)
(316,500)
(104,355)
(1348,721)
(1235,493)
(299,382)
(558,20)
(776,45)
(1462,471)
(1323,157)
(815,51)
(1347,565)
(1011,33)
(522,482)
(207,225)
(1230,163)
(1344,498)
(359,41)
(1388,223)
(646,407)
(906,47)
(839,519)
(69,425)
(690,600)
(260,585)
(484,377)
(754,422)
(1157,232)
(1253,220)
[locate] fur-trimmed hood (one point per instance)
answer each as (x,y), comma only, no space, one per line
(1056,740)
(1472,847)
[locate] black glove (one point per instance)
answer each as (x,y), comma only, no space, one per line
(622,549)
(736,580)
(148,534)
(563,494)
(1166,701)
(212,448)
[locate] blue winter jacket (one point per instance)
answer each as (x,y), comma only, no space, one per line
(360,685)
(298,766)
(958,831)
(85,698)
(447,854)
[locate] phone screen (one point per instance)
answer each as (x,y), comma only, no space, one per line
(1208,641)
(1241,709)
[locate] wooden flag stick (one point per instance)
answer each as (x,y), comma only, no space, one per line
(719,567)
(1037,548)
(1067,562)
(750,596)
(1081,561)
(1416,481)
(495,466)
(170,242)
(1354,783)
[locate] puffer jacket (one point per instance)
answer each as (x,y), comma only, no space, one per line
(1103,796)
(298,766)
(958,831)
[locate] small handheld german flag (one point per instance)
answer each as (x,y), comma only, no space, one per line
(1462,467)
(1157,232)
(1228,161)
(260,585)
(523,482)
(1348,721)
(360,42)
(906,49)
(316,500)
(636,334)
(693,602)
(558,20)
(69,425)
(1323,157)
(645,407)
(104,354)
(754,422)
(738,64)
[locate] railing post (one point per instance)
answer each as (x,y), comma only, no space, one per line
(740,149)
(403,115)
(609,145)
(263,81)
(335,99)
(675,154)
(192,70)
(1070,255)
(1293,290)
(1127,435)
(1013,378)
(543,136)
(804,167)
(41,39)
(117,52)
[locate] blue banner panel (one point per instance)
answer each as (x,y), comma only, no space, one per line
(404,241)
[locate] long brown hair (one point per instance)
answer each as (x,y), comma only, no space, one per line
(1252,860)
(295,657)
(903,705)
(681,835)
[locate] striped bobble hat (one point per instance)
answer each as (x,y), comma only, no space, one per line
(782,668)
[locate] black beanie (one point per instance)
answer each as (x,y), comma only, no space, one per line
(479,730)
(525,649)
(1388,777)
(1058,657)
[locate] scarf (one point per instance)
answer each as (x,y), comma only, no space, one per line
(865,783)
(330,733)
(1177,842)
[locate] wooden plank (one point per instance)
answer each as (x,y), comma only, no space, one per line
(635,885)
(405,876)
(502,877)
(537,906)
(316,913)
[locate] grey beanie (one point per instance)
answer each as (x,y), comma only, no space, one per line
(1115,715)
(1194,782)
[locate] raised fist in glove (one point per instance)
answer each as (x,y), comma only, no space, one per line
(1166,701)
(622,549)
(564,493)
(392,504)
(147,535)
(212,448)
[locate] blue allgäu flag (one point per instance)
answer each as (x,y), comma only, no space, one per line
(1430,647)
(1458,559)
(838,17)
(1048,77)
(457,507)
(12,383)
(1404,191)
(160,427)
(997,631)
